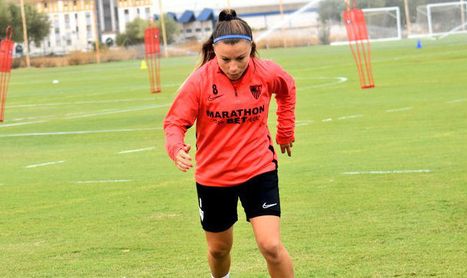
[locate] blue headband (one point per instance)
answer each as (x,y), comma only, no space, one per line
(227,37)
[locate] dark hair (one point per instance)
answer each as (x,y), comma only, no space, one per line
(228,24)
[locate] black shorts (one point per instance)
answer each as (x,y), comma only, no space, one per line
(218,205)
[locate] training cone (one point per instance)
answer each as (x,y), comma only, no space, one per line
(143,65)
(419,44)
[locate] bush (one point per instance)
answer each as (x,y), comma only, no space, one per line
(324,32)
(77,58)
(81,58)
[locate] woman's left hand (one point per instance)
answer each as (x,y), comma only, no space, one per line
(287,147)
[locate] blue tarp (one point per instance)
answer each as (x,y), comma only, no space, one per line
(187,17)
(206,14)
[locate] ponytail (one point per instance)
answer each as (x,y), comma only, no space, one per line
(230,29)
(207,51)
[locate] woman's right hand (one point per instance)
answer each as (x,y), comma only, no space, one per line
(183,159)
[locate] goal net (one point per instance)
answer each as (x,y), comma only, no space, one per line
(446,18)
(383,24)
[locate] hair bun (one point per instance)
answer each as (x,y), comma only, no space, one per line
(227,15)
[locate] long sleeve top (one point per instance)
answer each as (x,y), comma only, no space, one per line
(233,142)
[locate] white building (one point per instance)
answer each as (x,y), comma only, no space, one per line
(129,10)
(72,26)
(73,22)
(197,27)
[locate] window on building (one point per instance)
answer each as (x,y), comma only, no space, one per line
(127,15)
(89,32)
(68,42)
(207,29)
(56,21)
(198,30)
(188,31)
(148,13)
(88,18)
(67,21)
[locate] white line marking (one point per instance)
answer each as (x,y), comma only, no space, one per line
(387,172)
(137,150)
(34,118)
(118,111)
(101,181)
(327,120)
(457,100)
(23,123)
(45,164)
(350,117)
(399,109)
(74,113)
(339,81)
(82,115)
(303,123)
(77,132)
(78,102)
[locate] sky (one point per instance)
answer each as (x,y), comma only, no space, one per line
(197,5)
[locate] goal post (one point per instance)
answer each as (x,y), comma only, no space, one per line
(383,24)
(446,18)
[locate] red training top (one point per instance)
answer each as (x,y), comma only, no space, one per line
(233,143)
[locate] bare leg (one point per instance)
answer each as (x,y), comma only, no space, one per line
(219,246)
(267,234)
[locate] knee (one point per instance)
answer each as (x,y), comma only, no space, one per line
(271,250)
(219,251)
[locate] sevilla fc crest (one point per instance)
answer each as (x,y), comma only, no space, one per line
(256,90)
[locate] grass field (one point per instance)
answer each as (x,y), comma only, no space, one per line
(376,186)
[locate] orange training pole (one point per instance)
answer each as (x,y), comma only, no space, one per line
(6,60)
(153,51)
(359,43)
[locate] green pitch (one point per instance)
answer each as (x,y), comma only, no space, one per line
(376,187)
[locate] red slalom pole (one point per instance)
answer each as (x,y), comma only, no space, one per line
(6,60)
(152,55)
(357,34)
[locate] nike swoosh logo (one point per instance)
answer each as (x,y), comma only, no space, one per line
(265,206)
(211,98)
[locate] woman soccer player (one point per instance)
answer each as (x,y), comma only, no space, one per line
(228,96)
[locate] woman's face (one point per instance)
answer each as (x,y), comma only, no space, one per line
(233,59)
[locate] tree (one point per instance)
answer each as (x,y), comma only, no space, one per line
(134,33)
(331,10)
(5,18)
(37,24)
(171,28)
